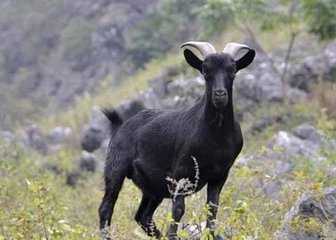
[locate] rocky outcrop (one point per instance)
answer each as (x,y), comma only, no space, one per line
(320,66)
(99,128)
(311,218)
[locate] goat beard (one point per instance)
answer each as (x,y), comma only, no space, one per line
(218,120)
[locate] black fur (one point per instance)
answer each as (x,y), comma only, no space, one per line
(155,144)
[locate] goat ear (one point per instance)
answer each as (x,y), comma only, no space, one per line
(241,53)
(246,59)
(193,60)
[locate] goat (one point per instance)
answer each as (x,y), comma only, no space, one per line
(155,144)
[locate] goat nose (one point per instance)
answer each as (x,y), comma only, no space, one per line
(221,93)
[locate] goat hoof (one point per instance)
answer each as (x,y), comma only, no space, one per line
(173,238)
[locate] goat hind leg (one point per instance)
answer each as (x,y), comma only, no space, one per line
(144,216)
(112,188)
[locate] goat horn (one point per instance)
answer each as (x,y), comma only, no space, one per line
(203,48)
(234,49)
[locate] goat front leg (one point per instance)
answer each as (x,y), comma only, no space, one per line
(213,192)
(178,211)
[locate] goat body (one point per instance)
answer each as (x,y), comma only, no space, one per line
(160,145)
(154,145)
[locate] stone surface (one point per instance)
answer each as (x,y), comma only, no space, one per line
(59,134)
(87,162)
(322,65)
(320,208)
(34,139)
(95,132)
(7,136)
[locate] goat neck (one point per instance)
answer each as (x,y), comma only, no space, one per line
(220,121)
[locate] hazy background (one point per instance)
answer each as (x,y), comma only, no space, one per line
(62,60)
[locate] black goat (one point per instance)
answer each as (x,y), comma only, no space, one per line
(154,145)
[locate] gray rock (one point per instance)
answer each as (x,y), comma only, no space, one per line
(176,94)
(272,189)
(97,130)
(73,177)
(59,134)
(290,146)
(92,137)
(282,167)
(259,84)
(321,209)
(35,139)
(99,127)
(87,162)
(296,95)
(7,136)
(304,75)
(308,132)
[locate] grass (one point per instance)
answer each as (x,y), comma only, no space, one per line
(36,203)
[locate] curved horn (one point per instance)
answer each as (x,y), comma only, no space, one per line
(241,53)
(197,48)
(235,49)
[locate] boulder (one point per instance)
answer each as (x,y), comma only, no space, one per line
(167,94)
(99,128)
(87,162)
(288,145)
(7,136)
(34,139)
(96,131)
(311,218)
(323,65)
(73,177)
(260,83)
(309,133)
(59,134)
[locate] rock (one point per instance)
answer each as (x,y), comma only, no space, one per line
(72,178)
(59,134)
(92,138)
(259,84)
(323,65)
(290,145)
(272,189)
(52,168)
(307,132)
(97,130)
(296,95)
(173,94)
(35,139)
(99,127)
(319,211)
(87,162)
(7,136)
(282,167)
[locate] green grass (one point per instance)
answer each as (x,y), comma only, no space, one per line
(36,204)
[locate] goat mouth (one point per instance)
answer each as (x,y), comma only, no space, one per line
(220,103)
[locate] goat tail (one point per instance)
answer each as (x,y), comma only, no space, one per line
(114,117)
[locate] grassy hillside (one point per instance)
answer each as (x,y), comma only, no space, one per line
(36,202)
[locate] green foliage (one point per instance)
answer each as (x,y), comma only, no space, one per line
(33,204)
(165,25)
(215,15)
(76,39)
(320,17)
